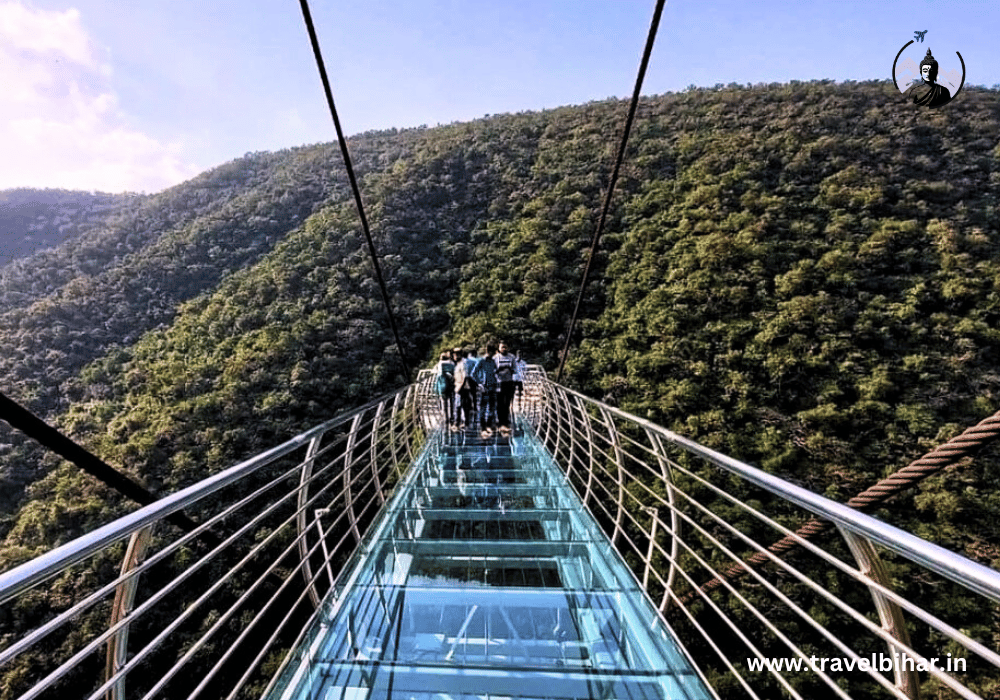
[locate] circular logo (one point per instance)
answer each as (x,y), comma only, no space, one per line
(928,83)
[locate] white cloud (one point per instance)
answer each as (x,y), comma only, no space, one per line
(60,121)
(47,32)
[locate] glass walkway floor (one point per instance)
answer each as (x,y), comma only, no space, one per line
(486,578)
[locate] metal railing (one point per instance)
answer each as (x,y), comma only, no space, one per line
(528,403)
(146,611)
(875,612)
(143,611)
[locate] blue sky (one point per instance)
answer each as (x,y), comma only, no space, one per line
(104,94)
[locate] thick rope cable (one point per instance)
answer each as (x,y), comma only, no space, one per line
(321,66)
(633,106)
(965,445)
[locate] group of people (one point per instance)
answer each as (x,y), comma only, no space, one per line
(483,386)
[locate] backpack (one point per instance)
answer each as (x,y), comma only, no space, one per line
(446,378)
(505,367)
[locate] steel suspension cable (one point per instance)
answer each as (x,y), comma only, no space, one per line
(650,39)
(37,429)
(321,66)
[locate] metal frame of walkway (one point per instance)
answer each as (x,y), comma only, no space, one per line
(145,611)
(485,578)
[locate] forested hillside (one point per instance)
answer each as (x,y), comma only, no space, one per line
(63,308)
(806,276)
(31,220)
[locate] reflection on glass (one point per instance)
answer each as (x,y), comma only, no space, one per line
(485,578)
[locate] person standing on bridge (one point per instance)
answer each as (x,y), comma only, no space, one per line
(445,386)
(520,369)
(465,388)
(456,357)
(505,363)
(485,375)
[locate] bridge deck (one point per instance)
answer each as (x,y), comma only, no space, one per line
(486,578)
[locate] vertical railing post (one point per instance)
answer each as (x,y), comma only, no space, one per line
(609,423)
(567,421)
(889,613)
(653,520)
(675,522)
(572,403)
(320,514)
(588,489)
(548,403)
(373,453)
(554,404)
(411,443)
(301,518)
(426,401)
(559,405)
(393,418)
(526,408)
(135,554)
(348,488)
(410,413)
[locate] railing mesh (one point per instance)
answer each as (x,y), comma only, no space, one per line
(865,611)
(138,610)
(210,614)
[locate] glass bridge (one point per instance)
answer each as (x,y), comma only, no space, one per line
(486,578)
(593,554)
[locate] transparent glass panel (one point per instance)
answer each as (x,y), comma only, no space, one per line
(486,578)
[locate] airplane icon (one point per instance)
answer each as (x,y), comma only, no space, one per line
(919,36)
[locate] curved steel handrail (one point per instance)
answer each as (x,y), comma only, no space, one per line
(981,579)
(269,519)
(31,573)
(631,470)
(634,520)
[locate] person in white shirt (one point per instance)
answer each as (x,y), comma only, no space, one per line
(465,388)
(520,370)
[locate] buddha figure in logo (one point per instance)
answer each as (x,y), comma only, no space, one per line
(928,93)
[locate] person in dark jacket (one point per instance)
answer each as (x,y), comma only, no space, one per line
(445,386)
(506,368)
(485,375)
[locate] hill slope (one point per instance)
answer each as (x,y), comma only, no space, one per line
(31,220)
(804,275)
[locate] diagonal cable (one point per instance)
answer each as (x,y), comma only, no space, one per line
(307,16)
(20,418)
(650,39)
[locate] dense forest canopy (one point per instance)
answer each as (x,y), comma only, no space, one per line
(806,276)
(32,220)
